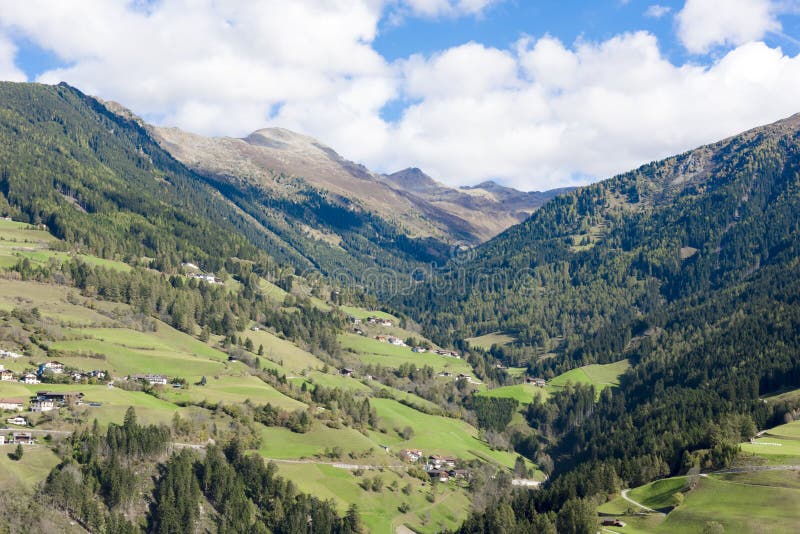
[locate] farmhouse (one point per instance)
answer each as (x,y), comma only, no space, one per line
(60,397)
(6,375)
(438,462)
(396,341)
(382,339)
(42,406)
(54,367)
(347,372)
(411,455)
(13,404)
(18,420)
(153,380)
(439,474)
(539,382)
(418,349)
(612,523)
(9,354)
(29,378)
(23,438)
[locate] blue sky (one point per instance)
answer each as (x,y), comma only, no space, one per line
(531,93)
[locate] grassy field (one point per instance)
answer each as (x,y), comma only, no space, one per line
(372,351)
(272,291)
(486,341)
(361,313)
(738,506)
(52,302)
(433,434)
(234,389)
(659,494)
(789,430)
(379,510)
(283,443)
(524,393)
(601,376)
(283,352)
(776,451)
(35,465)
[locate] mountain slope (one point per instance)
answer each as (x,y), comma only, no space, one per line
(618,250)
(488,207)
(282,162)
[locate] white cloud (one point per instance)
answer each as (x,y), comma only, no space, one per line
(703,24)
(436,8)
(657,11)
(8,70)
(538,114)
(592,110)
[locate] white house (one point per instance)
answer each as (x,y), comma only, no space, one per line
(29,378)
(9,354)
(12,404)
(153,380)
(6,375)
(18,420)
(43,405)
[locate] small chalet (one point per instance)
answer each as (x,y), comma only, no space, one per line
(9,354)
(6,375)
(153,380)
(382,339)
(608,522)
(539,382)
(439,474)
(396,341)
(42,406)
(18,420)
(411,455)
(29,378)
(60,397)
(347,372)
(23,438)
(418,349)
(386,322)
(53,367)
(14,404)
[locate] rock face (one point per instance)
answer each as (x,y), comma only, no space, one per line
(282,161)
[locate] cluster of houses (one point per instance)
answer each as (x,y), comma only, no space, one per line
(441,468)
(43,401)
(53,367)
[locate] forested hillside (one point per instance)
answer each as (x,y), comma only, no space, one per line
(688,268)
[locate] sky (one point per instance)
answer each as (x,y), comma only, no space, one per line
(534,94)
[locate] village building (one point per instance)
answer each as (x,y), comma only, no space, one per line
(396,341)
(411,455)
(6,375)
(23,438)
(29,378)
(418,349)
(18,420)
(382,339)
(539,382)
(43,405)
(14,404)
(612,523)
(347,372)
(53,367)
(9,354)
(60,397)
(153,380)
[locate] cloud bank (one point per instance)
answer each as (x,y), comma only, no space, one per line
(540,113)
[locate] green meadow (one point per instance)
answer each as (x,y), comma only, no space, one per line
(35,465)
(372,351)
(600,376)
(379,509)
(486,341)
(523,393)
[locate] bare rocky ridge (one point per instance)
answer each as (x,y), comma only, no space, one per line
(280,159)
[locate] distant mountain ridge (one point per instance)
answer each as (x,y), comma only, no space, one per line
(280,160)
